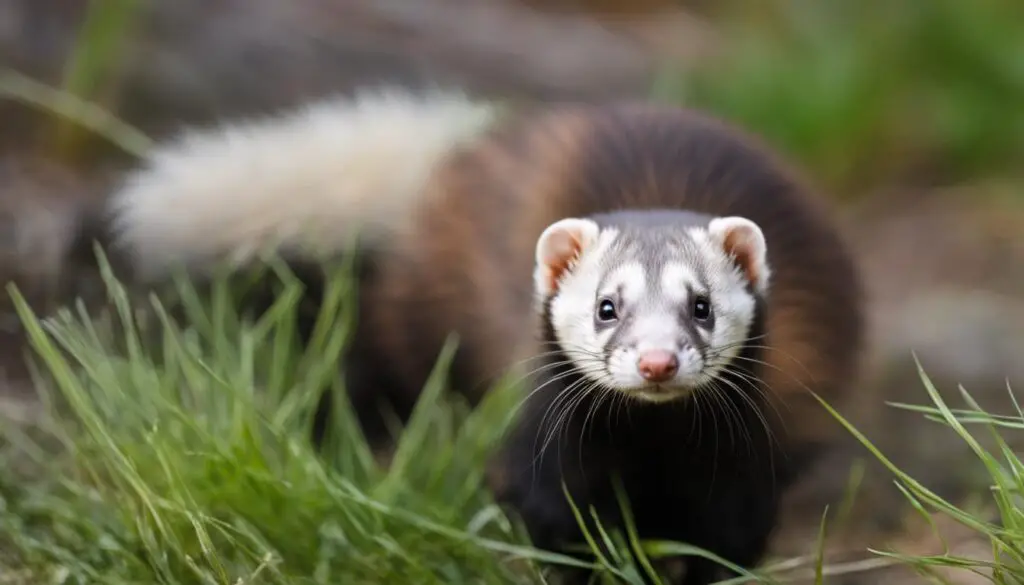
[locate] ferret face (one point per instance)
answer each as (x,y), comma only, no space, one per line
(655,312)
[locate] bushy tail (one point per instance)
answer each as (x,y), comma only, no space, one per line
(305,178)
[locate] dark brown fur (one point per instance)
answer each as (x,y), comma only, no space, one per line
(467,267)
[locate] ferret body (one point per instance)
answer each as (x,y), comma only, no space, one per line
(668,289)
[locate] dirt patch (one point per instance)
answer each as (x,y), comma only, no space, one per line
(943,272)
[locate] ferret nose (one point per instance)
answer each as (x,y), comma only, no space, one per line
(657,365)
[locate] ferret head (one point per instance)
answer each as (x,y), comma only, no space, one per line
(653,310)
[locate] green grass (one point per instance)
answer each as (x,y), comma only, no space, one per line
(1006,471)
(869,93)
(174,454)
(91,71)
(180,454)
(191,464)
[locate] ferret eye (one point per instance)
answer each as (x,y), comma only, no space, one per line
(606,310)
(701,308)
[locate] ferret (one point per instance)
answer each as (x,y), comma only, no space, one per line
(668,288)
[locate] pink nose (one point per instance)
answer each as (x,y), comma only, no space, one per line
(657,365)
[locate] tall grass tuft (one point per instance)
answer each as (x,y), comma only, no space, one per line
(91,72)
(189,461)
(181,454)
(1005,534)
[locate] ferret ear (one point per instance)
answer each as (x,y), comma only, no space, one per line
(558,248)
(744,241)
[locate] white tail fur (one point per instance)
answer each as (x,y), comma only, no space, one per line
(305,178)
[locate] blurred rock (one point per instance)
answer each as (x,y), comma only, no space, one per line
(40,204)
(203,59)
(944,273)
(36,35)
(946,276)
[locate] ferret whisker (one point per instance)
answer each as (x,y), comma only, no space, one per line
(540,388)
(767,387)
(613,410)
(784,354)
(555,378)
(597,394)
(727,408)
(544,355)
(754,383)
(697,405)
(763,388)
(570,394)
(554,409)
(741,393)
(565,420)
(561,376)
(522,376)
(553,406)
(603,392)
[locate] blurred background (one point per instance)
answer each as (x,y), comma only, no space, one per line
(910,115)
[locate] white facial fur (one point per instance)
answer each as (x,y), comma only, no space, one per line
(653,276)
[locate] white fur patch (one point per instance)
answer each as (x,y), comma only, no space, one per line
(572,308)
(629,280)
(747,241)
(731,301)
(675,277)
(558,249)
(306,178)
(651,312)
